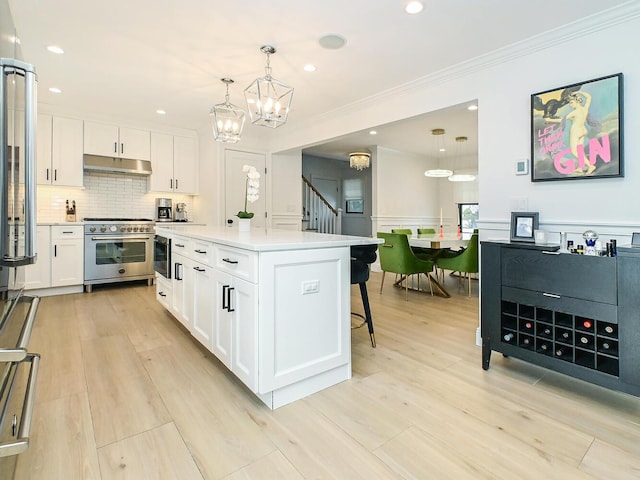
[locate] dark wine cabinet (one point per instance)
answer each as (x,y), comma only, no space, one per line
(575,314)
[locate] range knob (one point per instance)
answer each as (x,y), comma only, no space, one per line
(135,229)
(92,229)
(103,229)
(123,229)
(113,228)
(129,229)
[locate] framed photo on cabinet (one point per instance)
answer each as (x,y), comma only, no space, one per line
(576,131)
(523,226)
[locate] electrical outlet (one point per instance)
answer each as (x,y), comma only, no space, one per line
(311,286)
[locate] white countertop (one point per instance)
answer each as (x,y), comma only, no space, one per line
(261,240)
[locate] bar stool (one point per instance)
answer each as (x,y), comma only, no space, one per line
(362,256)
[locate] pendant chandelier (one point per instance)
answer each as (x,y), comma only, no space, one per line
(461,177)
(438,134)
(268,100)
(359,160)
(227,120)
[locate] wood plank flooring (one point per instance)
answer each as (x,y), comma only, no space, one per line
(124,392)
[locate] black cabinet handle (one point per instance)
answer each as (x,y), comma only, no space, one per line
(178,245)
(200,251)
(224,297)
(228,260)
(229,309)
(47,174)
(55,174)
(198,269)
(162,294)
(115,147)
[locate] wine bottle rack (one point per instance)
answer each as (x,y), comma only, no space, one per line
(588,342)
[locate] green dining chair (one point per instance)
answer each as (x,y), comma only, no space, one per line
(465,262)
(396,256)
(422,253)
(426,231)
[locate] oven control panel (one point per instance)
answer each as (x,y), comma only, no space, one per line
(111,228)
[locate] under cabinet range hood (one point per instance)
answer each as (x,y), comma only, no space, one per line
(98,163)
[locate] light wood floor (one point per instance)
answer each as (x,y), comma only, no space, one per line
(125,393)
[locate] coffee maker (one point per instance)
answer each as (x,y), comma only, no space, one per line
(164,210)
(181,212)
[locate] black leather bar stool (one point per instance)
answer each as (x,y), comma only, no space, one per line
(362,256)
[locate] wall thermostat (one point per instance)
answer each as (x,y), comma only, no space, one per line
(522,167)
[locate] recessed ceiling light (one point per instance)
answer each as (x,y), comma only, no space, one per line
(161,112)
(332,42)
(413,7)
(472,107)
(373,132)
(55,90)
(55,49)
(443,149)
(309,68)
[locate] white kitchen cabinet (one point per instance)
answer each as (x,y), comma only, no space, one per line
(59,151)
(204,305)
(182,274)
(114,141)
(235,327)
(174,164)
(60,261)
(38,275)
(163,291)
(67,258)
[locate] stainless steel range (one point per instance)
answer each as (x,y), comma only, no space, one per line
(118,250)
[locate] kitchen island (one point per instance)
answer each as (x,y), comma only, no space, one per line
(272,305)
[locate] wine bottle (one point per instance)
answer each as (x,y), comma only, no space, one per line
(508,337)
(606,346)
(547,331)
(584,340)
(587,324)
(565,335)
(562,351)
(528,325)
(543,348)
(526,341)
(609,329)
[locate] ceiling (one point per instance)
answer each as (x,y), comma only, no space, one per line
(126,59)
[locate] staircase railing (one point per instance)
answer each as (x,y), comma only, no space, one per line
(317,213)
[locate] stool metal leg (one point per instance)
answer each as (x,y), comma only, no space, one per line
(367,312)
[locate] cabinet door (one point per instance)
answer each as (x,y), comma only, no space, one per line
(185,165)
(161,163)
(67,256)
(163,291)
(204,308)
(221,346)
(182,289)
(101,139)
(135,143)
(67,152)
(244,320)
(43,150)
(38,275)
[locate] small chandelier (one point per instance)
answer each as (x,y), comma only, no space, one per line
(268,100)
(359,160)
(461,177)
(227,120)
(438,172)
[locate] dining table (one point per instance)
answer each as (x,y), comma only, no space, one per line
(444,242)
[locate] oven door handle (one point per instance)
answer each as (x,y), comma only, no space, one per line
(22,442)
(106,238)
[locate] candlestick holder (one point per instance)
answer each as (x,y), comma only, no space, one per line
(441,232)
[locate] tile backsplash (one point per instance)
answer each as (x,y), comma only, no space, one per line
(104,195)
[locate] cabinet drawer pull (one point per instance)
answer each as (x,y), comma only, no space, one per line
(67,232)
(178,245)
(228,260)
(546,252)
(198,269)
(550,295)
(162,294)
(200,251)
(229,309)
